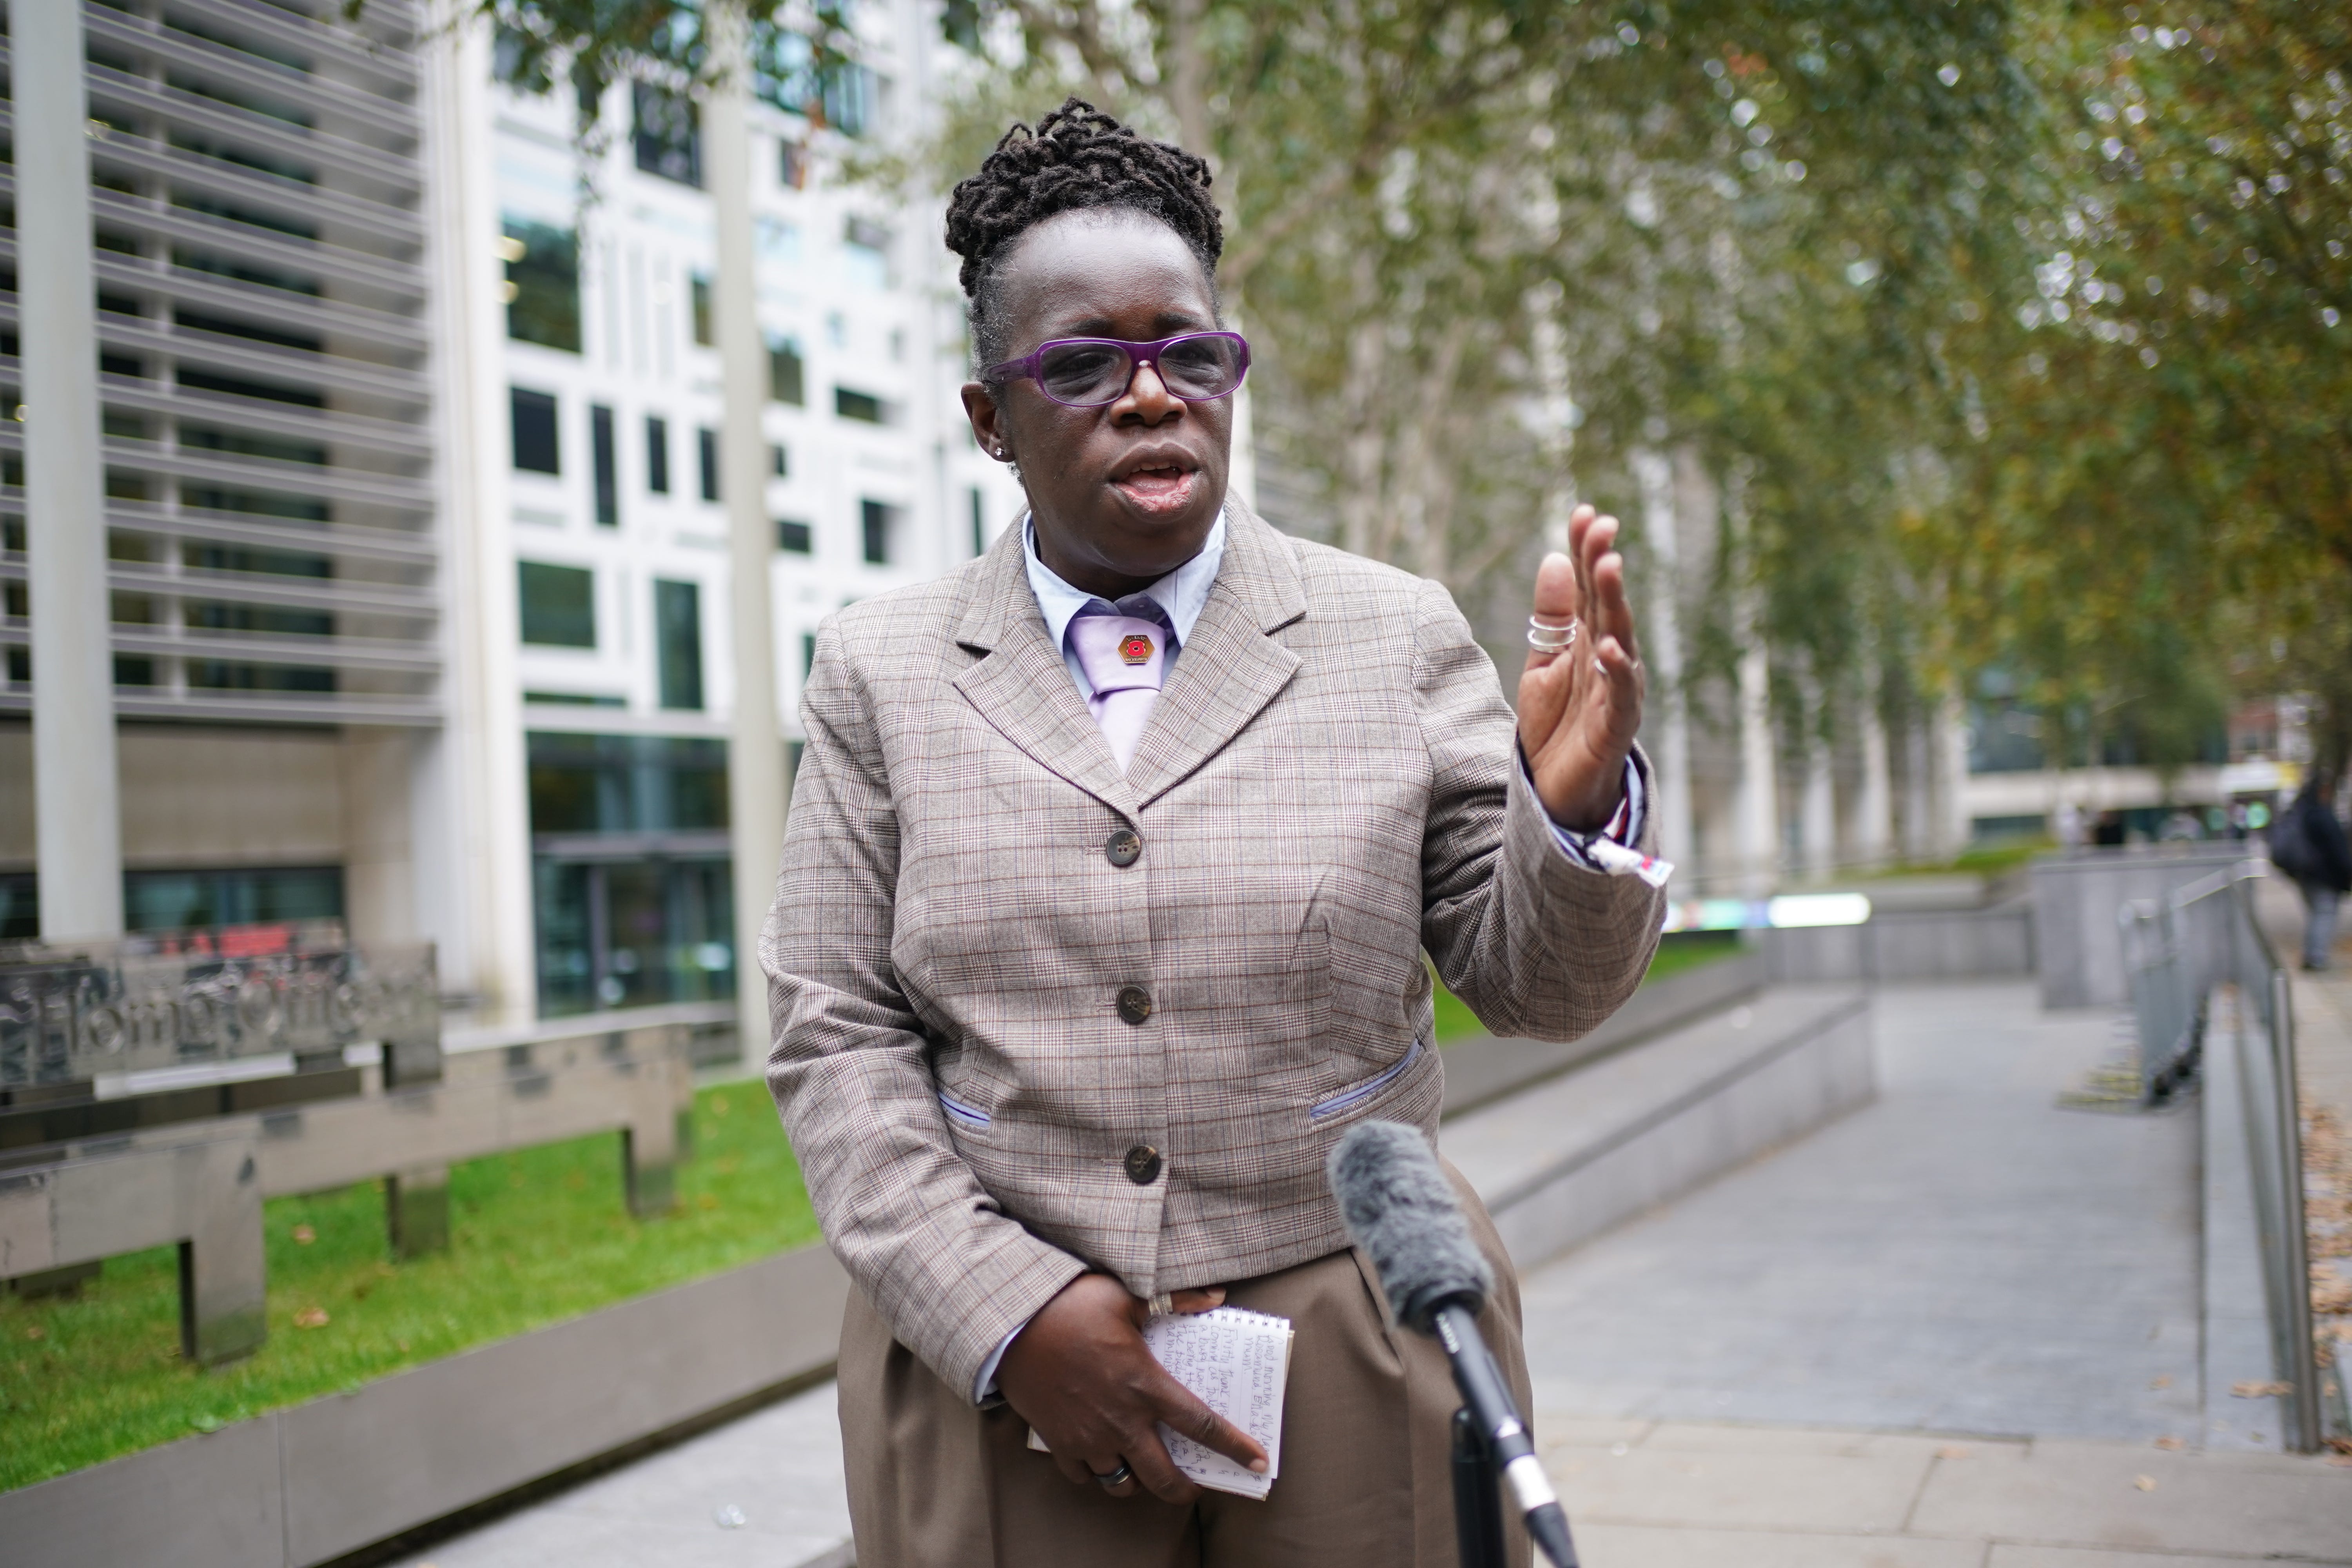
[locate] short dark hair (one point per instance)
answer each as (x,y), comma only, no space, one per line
(1077,157)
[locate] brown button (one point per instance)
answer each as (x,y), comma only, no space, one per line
(1143,1164)
(1135,1003)
(1124,847)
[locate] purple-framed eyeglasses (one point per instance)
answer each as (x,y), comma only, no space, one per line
(1089,372)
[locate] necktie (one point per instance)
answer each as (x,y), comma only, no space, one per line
(1124,657)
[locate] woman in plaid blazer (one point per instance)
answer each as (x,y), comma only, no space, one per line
(1112,863)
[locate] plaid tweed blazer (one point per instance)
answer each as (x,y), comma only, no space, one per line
(1327,786)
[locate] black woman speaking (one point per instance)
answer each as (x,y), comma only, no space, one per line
(1113,860)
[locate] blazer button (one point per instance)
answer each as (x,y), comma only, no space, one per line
(1135,1003)
(1124,847)
(1143,1164)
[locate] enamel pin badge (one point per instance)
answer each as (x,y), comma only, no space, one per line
(1135,648)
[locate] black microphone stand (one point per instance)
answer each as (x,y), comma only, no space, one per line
(1491,1445)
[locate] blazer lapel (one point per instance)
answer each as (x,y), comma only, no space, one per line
(1230,669)
(1025,690)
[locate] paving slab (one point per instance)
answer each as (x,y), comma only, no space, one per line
(2078,1557)
(779,1468)
(1959,1256)
(2062,1493)
(1638,1546)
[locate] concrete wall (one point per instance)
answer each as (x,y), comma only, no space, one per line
(202,797)
(2076,900)
(1951,944)
(1784,1085)
(312,1483)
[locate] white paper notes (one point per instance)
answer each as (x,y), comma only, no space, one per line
(1238,1362)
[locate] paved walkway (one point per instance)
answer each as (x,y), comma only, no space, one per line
(1647,1494)
(1948,1331)
(762,1492)
(1959,1256)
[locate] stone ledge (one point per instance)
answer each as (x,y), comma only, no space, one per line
(317,1482)
(1562,1162)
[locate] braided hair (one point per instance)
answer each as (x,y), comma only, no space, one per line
(1077,157)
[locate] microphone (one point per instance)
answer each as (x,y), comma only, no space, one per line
(1398,1206)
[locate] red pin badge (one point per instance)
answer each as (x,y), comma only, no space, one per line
(1135,648)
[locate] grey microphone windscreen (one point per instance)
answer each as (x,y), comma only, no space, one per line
(1398,1206)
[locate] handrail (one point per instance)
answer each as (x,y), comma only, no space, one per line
(2177,952)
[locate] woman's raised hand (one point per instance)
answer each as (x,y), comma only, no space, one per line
(1579,706)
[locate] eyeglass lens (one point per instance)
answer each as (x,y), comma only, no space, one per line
(1093,373)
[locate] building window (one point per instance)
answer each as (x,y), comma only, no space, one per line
(794,537)
(707,447)
(880,519)
(978,524)
(678,640)
(658,455)
(865,253)
(859,406)
(601,459)
(559,605)
(646,918)
(668,142)
(534,432)
(791,165)
(808,654)
(697,292)
(780,461)
(542,284)
(787,376)
(181,900)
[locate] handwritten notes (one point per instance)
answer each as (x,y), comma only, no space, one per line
(1238,1362)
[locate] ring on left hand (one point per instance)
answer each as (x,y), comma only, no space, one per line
(1546,635)
(1113,1480)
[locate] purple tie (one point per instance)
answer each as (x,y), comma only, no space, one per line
(1123,659)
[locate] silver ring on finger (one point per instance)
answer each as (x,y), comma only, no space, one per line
(1548,636)
(1113,1480)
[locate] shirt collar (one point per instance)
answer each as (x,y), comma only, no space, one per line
(1182,594)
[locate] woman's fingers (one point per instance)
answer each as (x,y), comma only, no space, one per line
(1184,1412)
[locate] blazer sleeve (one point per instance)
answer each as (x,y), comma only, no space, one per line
(850,1067)
(1539,946)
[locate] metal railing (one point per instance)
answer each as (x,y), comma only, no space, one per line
(2176,952)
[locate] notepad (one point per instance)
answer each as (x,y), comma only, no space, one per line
(1238,1362)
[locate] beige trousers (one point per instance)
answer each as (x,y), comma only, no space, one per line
(935,1482)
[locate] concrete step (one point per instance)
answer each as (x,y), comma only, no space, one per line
(1561,1162)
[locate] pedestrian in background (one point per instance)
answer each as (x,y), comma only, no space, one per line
(2308,843)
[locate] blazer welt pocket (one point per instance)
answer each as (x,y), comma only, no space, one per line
(969,1115)
(1356,1093)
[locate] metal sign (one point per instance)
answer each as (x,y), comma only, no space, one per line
(95,1011)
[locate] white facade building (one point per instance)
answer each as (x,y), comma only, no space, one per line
(419,584)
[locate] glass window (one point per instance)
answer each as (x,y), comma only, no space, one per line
(657,455)
(780,461)
(707,445)
(625,783)
(678,640)
(534,432)
(559,605)
(787,376)
(633,932)
(880,519)
(542,284)
(180,900)
(668,140)
(697,292)
(603,461)
(794,537)
(859,406)
(978,524)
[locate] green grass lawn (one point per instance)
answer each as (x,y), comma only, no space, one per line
(1677,952)
(537,1236)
